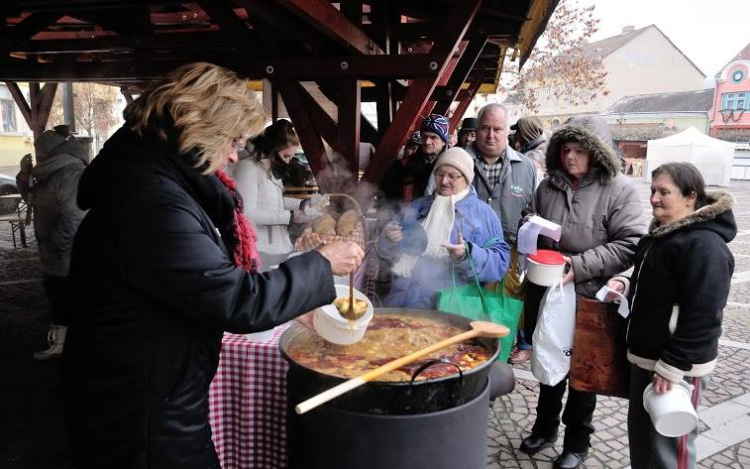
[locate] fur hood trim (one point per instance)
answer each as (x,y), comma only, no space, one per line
(604,156)
(718,203)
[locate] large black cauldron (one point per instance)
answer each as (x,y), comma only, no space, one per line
(328,438)
(392,398)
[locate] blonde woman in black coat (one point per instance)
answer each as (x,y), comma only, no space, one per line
(165,262)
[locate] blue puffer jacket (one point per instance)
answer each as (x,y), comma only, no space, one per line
(489,253)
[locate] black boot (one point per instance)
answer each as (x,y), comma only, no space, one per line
(534,443)
(570,460)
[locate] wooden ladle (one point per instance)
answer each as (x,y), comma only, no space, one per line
(478,329)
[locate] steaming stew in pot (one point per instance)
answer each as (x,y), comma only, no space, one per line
(388,337)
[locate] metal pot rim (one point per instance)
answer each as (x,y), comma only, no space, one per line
(452,319)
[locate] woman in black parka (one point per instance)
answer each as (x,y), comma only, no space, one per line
(680,284)
(165,262)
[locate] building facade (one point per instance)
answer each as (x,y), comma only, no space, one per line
(730,113)
(16,138)
(638,61)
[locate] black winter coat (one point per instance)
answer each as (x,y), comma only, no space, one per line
(154,291)
(679,288)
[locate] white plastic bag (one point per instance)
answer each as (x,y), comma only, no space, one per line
(553,336)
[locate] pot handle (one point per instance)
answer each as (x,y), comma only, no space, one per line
(435,362)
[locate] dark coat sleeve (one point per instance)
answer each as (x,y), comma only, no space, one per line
(705,275)
(172,256)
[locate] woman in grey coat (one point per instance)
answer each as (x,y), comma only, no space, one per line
(602,220)
(60,162)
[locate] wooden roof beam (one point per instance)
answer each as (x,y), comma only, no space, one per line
(464,99)
(460,74)
(198,40)
(334,24)
(20,100)
(302,68)
(33,24)
(222,13)
(457,23)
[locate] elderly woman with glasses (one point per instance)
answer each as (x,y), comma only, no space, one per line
(462,231)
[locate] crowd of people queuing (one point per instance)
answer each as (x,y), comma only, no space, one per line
(183,212)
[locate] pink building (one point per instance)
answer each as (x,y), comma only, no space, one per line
(730,113)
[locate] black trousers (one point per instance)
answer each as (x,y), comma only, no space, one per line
(579,411)
(58,293)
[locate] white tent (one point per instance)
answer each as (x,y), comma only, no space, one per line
(711,156)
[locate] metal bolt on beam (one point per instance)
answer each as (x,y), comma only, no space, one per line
(449,92)
(344,65)
(433,65)
(270,69)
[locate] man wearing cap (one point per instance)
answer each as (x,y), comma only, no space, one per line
(434,135)
(532,142)
(467,132)
(60,162)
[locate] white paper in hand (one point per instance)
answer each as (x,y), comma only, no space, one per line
(623,309)
(530,231)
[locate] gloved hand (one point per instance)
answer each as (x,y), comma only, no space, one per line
(318,201)
(393,232)
(313,213)
(301,216)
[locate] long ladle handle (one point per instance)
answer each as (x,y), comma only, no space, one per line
(354,383)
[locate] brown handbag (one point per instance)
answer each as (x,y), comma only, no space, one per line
(599,362)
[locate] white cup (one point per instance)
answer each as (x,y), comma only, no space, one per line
(672,412)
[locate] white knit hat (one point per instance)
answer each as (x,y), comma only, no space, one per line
(459,159)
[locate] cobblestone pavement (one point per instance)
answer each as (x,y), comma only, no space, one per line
(725,412)
(30,404)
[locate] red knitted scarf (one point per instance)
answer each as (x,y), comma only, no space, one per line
(244,251)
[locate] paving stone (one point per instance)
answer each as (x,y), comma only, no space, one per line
(723,413)
(731,433)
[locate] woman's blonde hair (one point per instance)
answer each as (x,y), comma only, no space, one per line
(208,106)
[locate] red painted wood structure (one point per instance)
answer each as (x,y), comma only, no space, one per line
(410,57)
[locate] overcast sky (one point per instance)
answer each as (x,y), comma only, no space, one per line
(708,32)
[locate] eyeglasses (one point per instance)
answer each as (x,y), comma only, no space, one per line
(452,177)
(237,143)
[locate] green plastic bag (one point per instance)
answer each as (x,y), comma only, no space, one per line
(475,302)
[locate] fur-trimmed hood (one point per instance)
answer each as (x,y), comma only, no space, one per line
(594,134)
(717,216)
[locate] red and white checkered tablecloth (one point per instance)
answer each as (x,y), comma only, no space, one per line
(247,403)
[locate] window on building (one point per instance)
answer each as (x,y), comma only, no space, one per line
(736,101)
(8,115)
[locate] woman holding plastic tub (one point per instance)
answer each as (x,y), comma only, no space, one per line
(602,220)
(683,270)
(163,263)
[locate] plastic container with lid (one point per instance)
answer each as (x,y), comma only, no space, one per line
(545,268)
